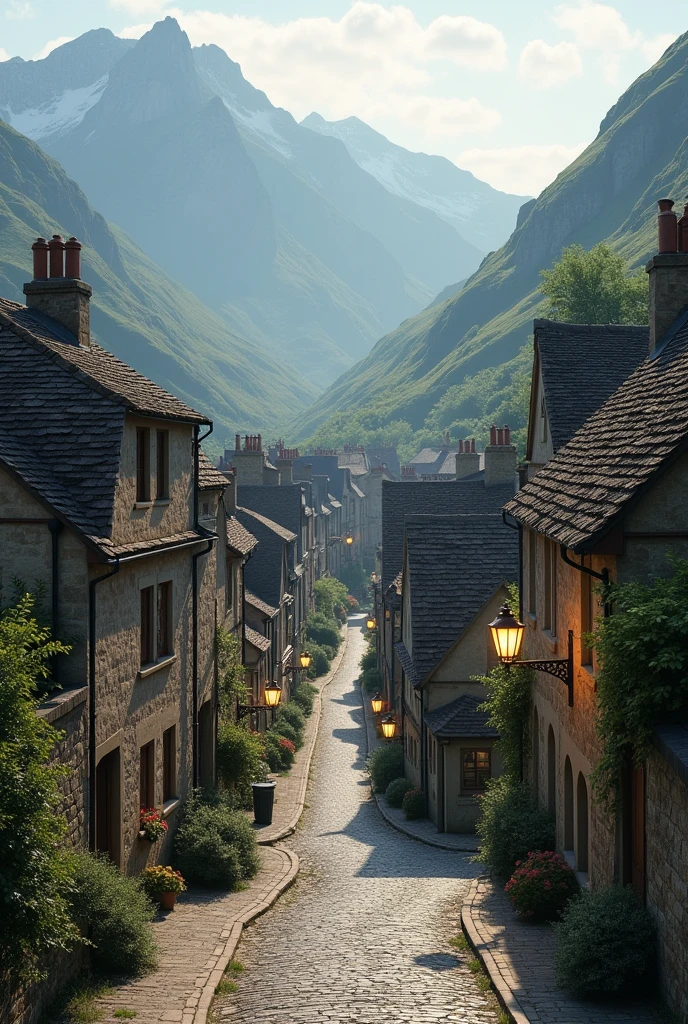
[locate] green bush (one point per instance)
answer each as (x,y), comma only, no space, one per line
(511,825)
(605,943)
(215,846)
(284,728)
(304,695)
(240,760)
(115,914)
(372,680)
(328,593)
(279,751)
(385,764)
(321,663)
(323,630)
(541,886)
(413,804)
(369,659)
(293,714)
(397,790)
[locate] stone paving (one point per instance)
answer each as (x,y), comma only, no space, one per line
(363,935)
(519,957)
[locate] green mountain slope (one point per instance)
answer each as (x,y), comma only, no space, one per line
(138,312)
(608,193)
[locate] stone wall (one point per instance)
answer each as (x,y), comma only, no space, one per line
(667,876)
(67,712)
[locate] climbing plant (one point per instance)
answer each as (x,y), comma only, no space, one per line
(508,704)
(231,682)
(643,676)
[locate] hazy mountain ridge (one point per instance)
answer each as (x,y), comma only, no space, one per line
(608,192)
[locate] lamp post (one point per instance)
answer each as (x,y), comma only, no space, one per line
(273,692)
(305,658)
(389,727)
(376,703)
(507,635)
(370,623)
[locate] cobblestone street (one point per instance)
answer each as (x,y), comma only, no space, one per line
(363,935)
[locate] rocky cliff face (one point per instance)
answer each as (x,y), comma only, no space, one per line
(609,193)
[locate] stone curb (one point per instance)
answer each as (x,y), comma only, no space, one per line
(291,865)
(382,808)
(290,827)
(503,990)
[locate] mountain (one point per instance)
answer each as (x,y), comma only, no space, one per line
(481,214)
(137,311)
(272,225)
(608,193)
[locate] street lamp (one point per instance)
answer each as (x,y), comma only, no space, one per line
(349,539)
(389,727)
(370,623)
(507,635)
(273,692)
(305,659)
(376,703)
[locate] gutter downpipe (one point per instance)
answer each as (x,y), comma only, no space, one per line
(517,526)
(602,576)
(195,773)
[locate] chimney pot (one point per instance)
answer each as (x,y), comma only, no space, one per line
(73,258)
(40,259)
(259,443)
(500,436)
(460,447)
(667,233)
(57,248)
(473,452)
(507,434)
(683,230)
(237,442)
(493,434)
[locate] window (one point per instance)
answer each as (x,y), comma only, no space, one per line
(147,620)
(162,464)
(477,769)
(229,589)
(142,464)
(147,775)
(164,632)
(169,764)
(532,572)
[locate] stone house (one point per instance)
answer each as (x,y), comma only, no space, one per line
(345,491)
(474,491)
(99,501)
(609,501)
(454,580)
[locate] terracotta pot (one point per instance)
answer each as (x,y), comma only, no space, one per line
(168,900)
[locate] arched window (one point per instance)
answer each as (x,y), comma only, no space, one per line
(551,774)
(582,822)
(568,805)
(536,753)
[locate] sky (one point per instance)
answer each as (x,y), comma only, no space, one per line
(511,90)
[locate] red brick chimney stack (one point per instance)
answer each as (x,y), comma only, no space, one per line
(73,258)
(57,289)
(500,457)
(668,271)
(40,259)
(667,236)
(467,459)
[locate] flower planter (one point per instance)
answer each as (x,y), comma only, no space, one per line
(168,900)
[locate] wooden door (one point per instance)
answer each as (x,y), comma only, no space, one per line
(108,830)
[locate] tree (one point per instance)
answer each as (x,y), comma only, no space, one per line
(595,288)
(35,870)
(328,593)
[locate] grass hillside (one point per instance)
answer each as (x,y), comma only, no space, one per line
(138,312)
(431,371)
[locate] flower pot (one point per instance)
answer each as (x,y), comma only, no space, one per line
(168,900)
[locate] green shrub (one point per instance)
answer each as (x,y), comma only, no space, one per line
(541,886)
(279,751)
(293,714)
(329,592)
(323,630)
(115,913)
(321,663)
(397,790)
(369,659)
(413,804)
(372,680)
(605,943)
(511,825)
(304,695)
(385,764)
(283,728)
(240,760)
(215,846)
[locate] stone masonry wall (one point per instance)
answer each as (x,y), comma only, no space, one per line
(667,876)
(67,712)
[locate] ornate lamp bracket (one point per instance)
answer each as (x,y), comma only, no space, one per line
(561,668)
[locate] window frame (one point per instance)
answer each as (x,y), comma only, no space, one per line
(532,573)
(143,466)
(476,751)
(152,585)
(147,625)
(162,465)
(147,775)
(169,765)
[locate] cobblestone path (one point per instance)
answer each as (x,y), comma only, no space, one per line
(363,935)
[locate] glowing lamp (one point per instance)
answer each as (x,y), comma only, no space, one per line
(305,659)
(370,623)
(389,727)
(376,703)
(507,634)
(349,539)
(273,692)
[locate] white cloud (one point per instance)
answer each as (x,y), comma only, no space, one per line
(437,116)
(526,170)
(52,45)
(20,10)
(546,66)
(4,55)
(654,48)
(467,42)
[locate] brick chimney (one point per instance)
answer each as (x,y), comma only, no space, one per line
(467,459)
(500,458)
(285,461)
(668,271)
(249,460)
(57,289)
(408,474)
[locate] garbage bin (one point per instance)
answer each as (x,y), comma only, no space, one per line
(263,799)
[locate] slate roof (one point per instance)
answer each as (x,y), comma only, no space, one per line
(62,413)
(265,521)
(209,478)
(262,606)
(581,366)
(238,537)
(282,505)
(616,455)
(263,572)
(452,497)
(355,462)
(460,718)
(384,456)
(324,465)
(406,662)
(357,490)
(257,639)
(455,564)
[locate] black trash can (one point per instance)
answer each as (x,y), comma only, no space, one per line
(263,799)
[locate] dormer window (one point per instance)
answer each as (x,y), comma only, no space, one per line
(142,464)
(162,464)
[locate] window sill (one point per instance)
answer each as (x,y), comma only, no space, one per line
(531,620)
(149,670)
(143,504)
(550,640)
(160,501)
(170,805)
